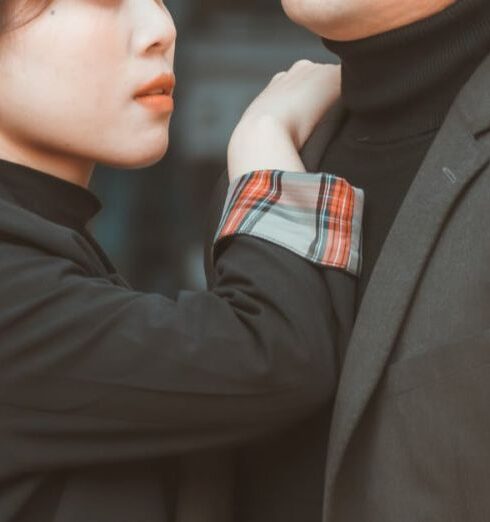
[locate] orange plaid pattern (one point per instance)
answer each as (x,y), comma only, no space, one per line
(318,216)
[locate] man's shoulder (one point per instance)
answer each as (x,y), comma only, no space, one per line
(314,149)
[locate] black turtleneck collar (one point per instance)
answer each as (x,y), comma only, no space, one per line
(401,83)
(50,197)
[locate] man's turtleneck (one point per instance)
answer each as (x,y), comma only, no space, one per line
(397,88)
(53,199)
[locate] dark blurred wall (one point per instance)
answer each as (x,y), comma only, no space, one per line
(152,224)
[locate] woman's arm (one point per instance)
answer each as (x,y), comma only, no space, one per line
(91,372)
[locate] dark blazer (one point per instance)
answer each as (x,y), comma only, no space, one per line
(101,387)
(409,438)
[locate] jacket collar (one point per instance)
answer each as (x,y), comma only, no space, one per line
(34,231)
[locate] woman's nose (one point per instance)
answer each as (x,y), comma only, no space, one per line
(157,31)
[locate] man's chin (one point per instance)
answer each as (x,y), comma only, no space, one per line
(349,20)
(326,21)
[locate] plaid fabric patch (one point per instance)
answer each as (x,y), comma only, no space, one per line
(318,216)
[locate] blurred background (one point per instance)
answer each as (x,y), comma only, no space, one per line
(153,220)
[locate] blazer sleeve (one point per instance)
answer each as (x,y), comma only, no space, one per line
(93,373)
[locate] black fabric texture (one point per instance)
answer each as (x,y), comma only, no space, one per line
(53,198)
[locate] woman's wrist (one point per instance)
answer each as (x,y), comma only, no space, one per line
(262,144)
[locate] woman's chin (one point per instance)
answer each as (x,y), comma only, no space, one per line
(137,158)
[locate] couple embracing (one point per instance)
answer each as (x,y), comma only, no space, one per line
(336,369)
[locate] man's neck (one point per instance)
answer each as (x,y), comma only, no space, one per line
(401,83)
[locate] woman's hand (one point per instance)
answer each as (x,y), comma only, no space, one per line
(279,121)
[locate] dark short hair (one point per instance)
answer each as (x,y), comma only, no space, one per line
(16,13)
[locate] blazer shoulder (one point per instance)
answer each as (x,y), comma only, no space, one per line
(25,234)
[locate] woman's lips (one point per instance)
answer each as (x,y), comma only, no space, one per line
(157,93)
(157,102)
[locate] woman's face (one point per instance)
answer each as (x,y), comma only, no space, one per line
(68,80)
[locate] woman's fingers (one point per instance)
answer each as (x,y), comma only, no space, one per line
(278,76)
(300,96)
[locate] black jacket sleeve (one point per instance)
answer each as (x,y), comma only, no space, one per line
(92,373)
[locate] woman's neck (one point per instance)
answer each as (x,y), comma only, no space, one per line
(63,166)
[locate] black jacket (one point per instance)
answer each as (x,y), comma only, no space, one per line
(101,386)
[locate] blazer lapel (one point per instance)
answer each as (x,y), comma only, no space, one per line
(452,162)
